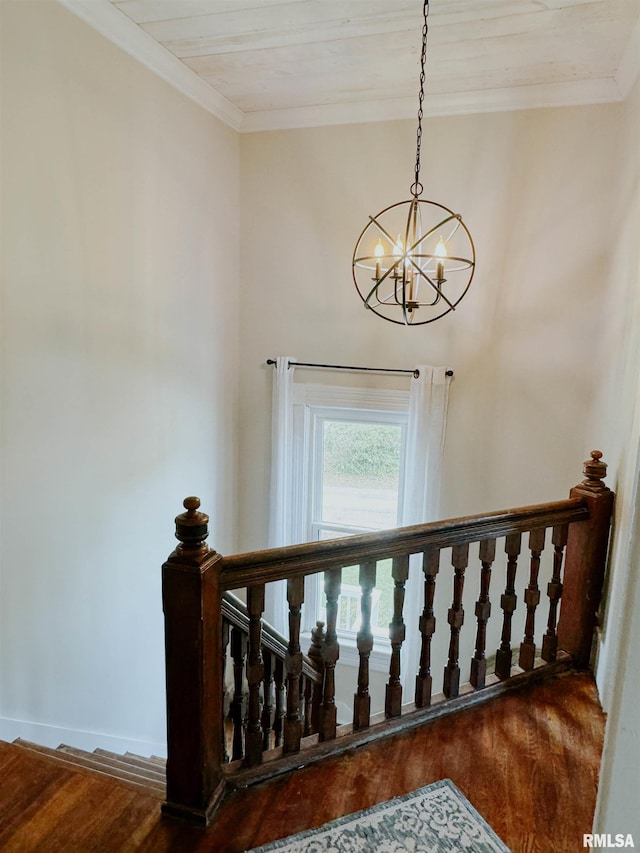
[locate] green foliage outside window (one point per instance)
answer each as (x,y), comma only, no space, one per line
(366,456)
(361,450)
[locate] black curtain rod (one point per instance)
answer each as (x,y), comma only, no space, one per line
(415,373)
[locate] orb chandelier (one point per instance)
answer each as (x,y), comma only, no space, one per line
(414,261)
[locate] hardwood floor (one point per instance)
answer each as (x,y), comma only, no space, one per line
(528,762)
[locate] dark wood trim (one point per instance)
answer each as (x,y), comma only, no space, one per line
(192,604)
(196,578)
(235,611)
(275,763)
(259,567)
(586,556)
(197,816)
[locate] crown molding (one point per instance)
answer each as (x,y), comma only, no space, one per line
(629,67)
(574,93)
(114,25)
(325,114)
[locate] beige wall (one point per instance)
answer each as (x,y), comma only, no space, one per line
(119,359)
(616,417)
(535,189)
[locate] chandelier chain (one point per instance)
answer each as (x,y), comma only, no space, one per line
(417,187)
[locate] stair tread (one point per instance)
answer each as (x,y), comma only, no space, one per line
(138,761)
(117,762)
(87,761)
(156,759)
(116,765)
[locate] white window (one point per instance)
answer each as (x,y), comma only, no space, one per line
(312,499)
(357,467)
(350,445)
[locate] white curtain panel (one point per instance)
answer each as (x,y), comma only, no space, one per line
(280,516)
(428,398)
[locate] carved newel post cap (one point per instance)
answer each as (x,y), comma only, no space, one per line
(595,471)
(317,633)
(192,527)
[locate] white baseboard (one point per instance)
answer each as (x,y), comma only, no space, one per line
(53,736)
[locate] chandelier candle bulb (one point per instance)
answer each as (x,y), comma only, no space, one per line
(379,253)
(441,254)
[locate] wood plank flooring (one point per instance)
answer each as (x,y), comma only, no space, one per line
(528,762)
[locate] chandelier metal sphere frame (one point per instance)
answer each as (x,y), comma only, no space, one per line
(407,253)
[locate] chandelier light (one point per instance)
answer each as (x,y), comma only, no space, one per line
(414,261)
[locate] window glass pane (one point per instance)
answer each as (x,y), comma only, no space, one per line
(360,473)
(349,602)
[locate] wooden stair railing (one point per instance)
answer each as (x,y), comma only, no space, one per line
(236,632)
(198,615)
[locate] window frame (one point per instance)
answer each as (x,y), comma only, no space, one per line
(320,415)
(315,404)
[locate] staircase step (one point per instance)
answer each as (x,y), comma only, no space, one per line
(162,762)
(88,761)
(141,762)
(158,765)
(116,762)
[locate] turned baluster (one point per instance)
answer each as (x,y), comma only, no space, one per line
(362,699)
(255,673)
(293,664)
(455,618)
(397,633)
(315,653)
(508,601)
(554,593)
(531,599)
(267,695)
(330,655)
(238,652)
(487,555)
(430,567)
(278,718)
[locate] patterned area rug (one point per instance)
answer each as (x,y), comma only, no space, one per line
(435,819)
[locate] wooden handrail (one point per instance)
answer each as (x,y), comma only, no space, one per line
(235,612)
(197,602)
(259,567)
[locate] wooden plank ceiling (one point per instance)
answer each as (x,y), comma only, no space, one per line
(284,63)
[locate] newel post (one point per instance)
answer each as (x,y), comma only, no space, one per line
(585,563)
(192,605)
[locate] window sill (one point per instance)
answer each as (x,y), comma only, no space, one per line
(378,659)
